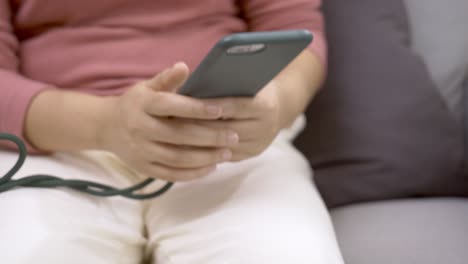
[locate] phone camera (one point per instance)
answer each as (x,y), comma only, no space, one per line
(245,49)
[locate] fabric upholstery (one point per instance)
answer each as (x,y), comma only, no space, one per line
(379,129)
(429,231)
(440,35)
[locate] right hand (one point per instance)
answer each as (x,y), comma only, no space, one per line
(153,130)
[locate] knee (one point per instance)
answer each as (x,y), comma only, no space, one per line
(28,230)
(38,226)
(296,245)
(26,244)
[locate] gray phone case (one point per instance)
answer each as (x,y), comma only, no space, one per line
(241,64)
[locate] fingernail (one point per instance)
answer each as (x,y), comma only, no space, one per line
(177,64)
(227,155)
(213,110)
(232,138)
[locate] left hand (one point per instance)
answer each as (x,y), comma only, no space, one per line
(256,120)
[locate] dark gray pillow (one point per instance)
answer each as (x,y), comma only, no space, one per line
(379,129)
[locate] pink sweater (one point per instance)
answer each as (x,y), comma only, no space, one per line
(104,46)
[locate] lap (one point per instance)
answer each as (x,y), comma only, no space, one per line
(59,226)
(263,210)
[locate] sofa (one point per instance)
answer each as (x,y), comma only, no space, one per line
(387,134)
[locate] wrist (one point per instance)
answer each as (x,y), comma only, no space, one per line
(105,123)
(59,120)
(297,84)
(283,113)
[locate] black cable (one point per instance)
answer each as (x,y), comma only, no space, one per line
(7,182)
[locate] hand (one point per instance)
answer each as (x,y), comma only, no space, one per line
(151,128)
(256,120)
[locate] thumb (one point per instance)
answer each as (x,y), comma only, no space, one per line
(169,80)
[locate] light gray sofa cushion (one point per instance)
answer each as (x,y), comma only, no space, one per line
(439,33)
(426,231)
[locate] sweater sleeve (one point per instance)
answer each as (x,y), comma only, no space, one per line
(264,15)
(16,91)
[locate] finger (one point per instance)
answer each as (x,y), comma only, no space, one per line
(166,173)
(190,133)
(239,107)
(246,129)
(170,79)
(175,105)
(187,157)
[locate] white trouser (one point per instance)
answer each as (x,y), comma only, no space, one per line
(262,210)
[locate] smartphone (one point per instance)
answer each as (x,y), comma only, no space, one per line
(241,64)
